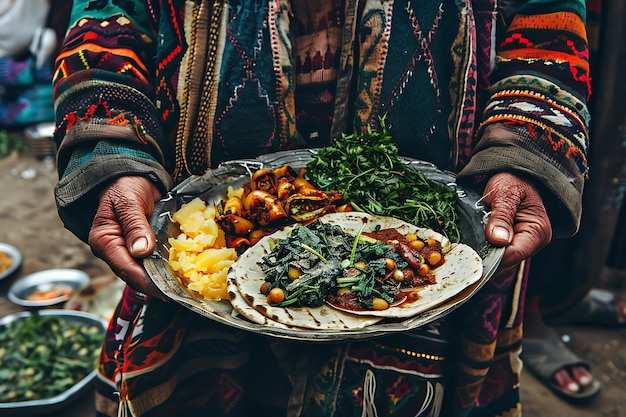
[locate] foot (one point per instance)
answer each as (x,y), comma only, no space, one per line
(548,358)
(572,379)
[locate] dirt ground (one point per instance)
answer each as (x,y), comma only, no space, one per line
(28,221)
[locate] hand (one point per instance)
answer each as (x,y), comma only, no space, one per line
(120,233)
(518,218)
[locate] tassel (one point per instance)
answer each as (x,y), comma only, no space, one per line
(369,391)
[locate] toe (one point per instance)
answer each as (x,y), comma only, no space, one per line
(581,375)
(563,379)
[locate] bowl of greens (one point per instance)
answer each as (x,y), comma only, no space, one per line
(47,359)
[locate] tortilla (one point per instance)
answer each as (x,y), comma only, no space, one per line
(247,275)
(462,267)
(241,307)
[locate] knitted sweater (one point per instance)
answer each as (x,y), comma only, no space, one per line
(155,88)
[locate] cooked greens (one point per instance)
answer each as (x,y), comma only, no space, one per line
(367,170)
(327,258)
(41,356)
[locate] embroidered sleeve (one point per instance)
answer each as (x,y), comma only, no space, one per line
(104,96)
(536,120)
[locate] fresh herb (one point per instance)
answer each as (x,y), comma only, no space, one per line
(43,356)
(367,170)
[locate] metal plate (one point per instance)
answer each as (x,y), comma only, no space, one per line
(13,254)
(213,186)
(49,405)
(70,279)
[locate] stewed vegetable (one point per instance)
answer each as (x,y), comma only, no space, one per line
(41,356)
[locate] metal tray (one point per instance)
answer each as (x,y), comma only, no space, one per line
(48,405)
(213,187)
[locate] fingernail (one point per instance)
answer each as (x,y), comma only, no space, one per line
(139,245)
(501,233)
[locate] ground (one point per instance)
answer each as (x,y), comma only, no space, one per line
(28,221)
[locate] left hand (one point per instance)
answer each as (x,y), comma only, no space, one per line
(518,218)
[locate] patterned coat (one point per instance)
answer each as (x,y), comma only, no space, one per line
(168,88)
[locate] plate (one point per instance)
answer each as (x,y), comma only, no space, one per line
(49,405)
(213,187)
(16,259)
(55,286)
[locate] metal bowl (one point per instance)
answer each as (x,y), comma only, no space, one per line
(49,405)
(48,281)
(16,257)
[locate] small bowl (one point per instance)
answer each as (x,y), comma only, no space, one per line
(48,287)
(16,259)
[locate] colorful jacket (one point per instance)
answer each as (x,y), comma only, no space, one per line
(138,86)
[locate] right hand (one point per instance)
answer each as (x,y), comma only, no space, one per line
(120,233)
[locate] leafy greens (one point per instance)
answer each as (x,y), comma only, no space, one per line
(367,170)
(329,259)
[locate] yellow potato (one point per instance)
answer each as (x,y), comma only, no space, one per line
(210,228)
(193,224)
(220,266)
(182,243)
(212,256)
(199,255)
(188,208)
(220,242)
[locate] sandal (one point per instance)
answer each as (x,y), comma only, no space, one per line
(545,355)
(598,308)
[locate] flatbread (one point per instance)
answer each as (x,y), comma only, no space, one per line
(249,278)
(240,306)
(463,267)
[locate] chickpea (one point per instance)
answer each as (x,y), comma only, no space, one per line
(293,273)
(390,264)
(434,258)
(276,296)
(417,244)
(423,270)
(431,241)
(410,237)
(342,291)
(398,275)
(379,304)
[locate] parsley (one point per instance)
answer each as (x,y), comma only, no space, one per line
(367,171)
